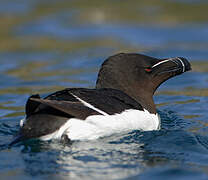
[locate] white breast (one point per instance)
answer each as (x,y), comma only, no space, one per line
(97,126)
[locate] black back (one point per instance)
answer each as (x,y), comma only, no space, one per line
(111,101)
(45,116)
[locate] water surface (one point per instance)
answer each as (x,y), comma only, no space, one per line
(49,45)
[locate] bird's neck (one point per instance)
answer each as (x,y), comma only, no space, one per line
(143,97)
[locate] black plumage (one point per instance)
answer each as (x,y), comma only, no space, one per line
(123,83)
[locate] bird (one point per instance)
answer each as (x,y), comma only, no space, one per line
(121,101)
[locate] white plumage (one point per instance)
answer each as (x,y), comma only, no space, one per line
(97,126)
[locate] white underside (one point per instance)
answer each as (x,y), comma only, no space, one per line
(97,126)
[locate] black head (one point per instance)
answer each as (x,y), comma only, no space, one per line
(139,75)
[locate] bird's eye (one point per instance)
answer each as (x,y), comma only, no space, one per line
(148,69)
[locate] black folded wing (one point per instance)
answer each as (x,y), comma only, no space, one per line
(45,116)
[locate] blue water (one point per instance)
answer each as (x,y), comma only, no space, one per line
(49,45)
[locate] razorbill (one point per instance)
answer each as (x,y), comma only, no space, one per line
(121,101)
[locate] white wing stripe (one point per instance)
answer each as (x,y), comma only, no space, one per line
(89,105)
